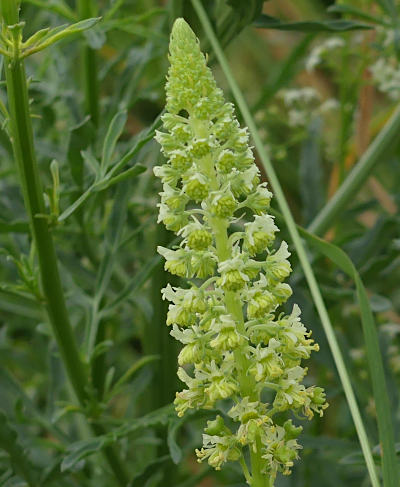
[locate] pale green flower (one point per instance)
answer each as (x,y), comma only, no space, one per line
(237,342)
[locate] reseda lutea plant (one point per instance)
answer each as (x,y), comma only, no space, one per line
(237,346)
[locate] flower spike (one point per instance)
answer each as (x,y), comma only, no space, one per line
(237,342)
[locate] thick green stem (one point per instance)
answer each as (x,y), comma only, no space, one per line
(258,479)
(89,65)
(301,251)
(22,139)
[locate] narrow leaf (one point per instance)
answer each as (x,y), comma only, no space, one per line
(82,449)
(18,459)
(57,6)
(113,134)
(128,174)
(373,352)
(80,138)
(349,9)
(59,33)
(138,365)
(267,22)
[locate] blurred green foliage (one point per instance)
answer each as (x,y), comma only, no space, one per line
(318,105)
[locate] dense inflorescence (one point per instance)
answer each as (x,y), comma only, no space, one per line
(238,346)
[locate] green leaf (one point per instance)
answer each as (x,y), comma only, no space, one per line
(20,305)
(374,356)
(111,242)
(113,134)
(267,22)
(57,34)
(138,365)
(174,450)
(140,141)
(349,9)
(144,473)
(19,461)
(311,172)
(14,227)
(138,280)
(80,138)
(57,6)
(82,449)
(379,148)
(389,6)
(109,178)
(128,174)
(248,10)
(79,450)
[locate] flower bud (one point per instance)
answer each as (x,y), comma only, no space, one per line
(180,160)
(226,161)
(196,188)
(259,200)
(284,454)
(199,148)
(199,240)
(217,427)
(260,305)
(291,431)
(223,205)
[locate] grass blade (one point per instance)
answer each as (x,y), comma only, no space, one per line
(301,251)
(374,356)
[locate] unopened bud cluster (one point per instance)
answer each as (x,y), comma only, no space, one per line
(236,344)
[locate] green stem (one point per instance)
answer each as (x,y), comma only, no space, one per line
(90,67)
(258,479)
(246,382)
(357,177)
(22,139)
(24,152)
(301,251)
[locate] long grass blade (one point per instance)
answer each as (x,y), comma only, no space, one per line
(374,356)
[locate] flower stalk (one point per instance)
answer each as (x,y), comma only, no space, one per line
(239,346)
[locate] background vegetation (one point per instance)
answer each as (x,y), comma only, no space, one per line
(322,80)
